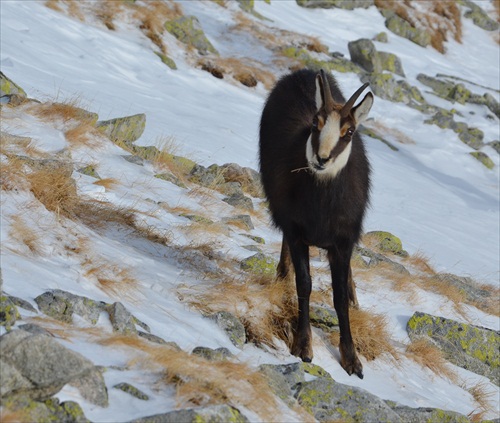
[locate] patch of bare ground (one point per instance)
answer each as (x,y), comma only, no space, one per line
(442,19)
(200,382)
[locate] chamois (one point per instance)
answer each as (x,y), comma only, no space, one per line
(316,177)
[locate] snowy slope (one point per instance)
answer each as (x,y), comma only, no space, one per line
(431,193)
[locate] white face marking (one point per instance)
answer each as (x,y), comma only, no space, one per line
(332,169)
(329,135)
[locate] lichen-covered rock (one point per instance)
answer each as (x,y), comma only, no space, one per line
(479,16)
(381,37)
(239,200)
(10,92)
(187,30)
(209,414)
(132,390)
(422,414)
(328,400)
(246,176)
(283,379)
(495,145)
(472,347)
(61,305)
(404,29)
(371,259)
(89,171)
(167,60)
(38,367)
(126,129)
(219,354)
(473,137)
(385,242)
(390,62)
(170,177)
(152,338)
(202,176)
(340,4)
(323,318)
(121,319)
(257,239)
(364,54)
(483,158)
(8,312)
(259,264)
(232,326)
(47,411)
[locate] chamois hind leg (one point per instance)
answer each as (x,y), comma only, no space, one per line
(285,269)
(351,289)
(339,260)
(302,340)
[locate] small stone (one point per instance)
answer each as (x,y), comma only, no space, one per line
(219,354)
(132,390)
(259,264)
(121,319)
(231,325)
(239,200)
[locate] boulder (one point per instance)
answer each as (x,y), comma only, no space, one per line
(260,264)
(471,347)
(211,414)
(61,305)
(328,400)
(125,129)
(187,30)
(10,92)
(37,366)
(219,354)
(385,242)
(390,62)
(239,200)
(479,16)
(483,158)
(121,319)
(231,325)
(323,318)
(364,54)
(8,312)
(424,414)
(241,220)
(404,29)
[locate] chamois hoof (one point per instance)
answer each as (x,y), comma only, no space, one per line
(303,351)
(355,367)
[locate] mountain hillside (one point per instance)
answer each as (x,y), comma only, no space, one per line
(138,257)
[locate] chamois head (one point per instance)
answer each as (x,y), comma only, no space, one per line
(329,145)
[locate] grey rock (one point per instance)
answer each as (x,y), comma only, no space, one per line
(34,329)
(92,387)
(47,366)
(187,30)
(48,411)
(364,54)
(231,325)
(340,4)
(239,200)
(139,161)
(381,37)
(151,338)
(8,312)
(170,177)
(257,239)
(61,305)
(12,379)
(132,390)
(471,347)
(241,220)
(495,145)
(390,62)
(211,414)
(323,318)
(202,176)
(219,354)
(473,292)
(122,321)
(328,400)
(89,171)
(126,129)
(19,302)
(404,29)
(10,92)
(423,414)
(259,263)
(375,259)
(231,189)
(246,176)
(479,16)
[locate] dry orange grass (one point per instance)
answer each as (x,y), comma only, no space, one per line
(265,306)
(496,5)
(13,174)
(24,234)
(370,334)
(71,109)
(13,144)
(55,189)
(108,183)
(115,280)
(200,382)
(441,19)
(423,352)
(71,7)
(482,395)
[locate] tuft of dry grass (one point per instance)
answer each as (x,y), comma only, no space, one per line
(420,262)
(441,19)
(265,306)
(370,335)
(71,7)
(107,183)
(425,353)
(55,189)
(13,174)
(200,382)
(114,279)
(71,109)
(24,234)
(482,395)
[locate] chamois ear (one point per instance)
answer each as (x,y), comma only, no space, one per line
(319,92)
(360,112)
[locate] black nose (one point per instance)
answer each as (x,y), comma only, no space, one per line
(321,162)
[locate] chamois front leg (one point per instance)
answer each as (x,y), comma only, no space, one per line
(339,260)
(351,289)
(302,340)
(284,269)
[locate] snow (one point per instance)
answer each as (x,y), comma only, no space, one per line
(431,193)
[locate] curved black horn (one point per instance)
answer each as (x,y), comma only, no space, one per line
(348,106)
(327,93)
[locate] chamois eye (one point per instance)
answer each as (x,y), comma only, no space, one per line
(315,122)
(350,131)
